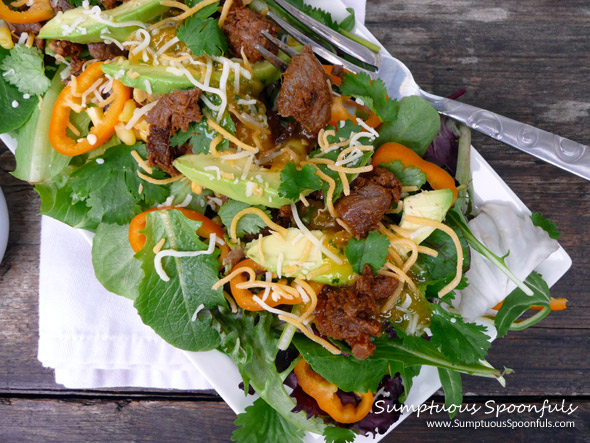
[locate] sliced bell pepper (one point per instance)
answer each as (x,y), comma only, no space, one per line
(339,112)
(39,11)
(243,296)
(325,393)
(208,227)
(436,176)
(103,131)
(556,304)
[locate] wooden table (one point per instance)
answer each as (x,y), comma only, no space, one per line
(526,59)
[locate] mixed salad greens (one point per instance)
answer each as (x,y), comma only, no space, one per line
(316,231)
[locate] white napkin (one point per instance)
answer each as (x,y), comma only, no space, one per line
(93,338)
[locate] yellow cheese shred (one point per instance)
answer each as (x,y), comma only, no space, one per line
(265,218)
(232,138)
(224,12)
(141,162)
(309,334)
(155,181)
(447,230)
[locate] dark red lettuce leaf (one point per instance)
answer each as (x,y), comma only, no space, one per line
(444,148)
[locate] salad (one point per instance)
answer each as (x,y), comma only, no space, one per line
(320,234)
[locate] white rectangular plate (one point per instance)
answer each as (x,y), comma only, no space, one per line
(223,374)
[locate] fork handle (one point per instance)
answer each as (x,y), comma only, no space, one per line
(561,152)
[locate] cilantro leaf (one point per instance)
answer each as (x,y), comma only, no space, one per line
(261,422)
(23,68)
(348,23)
(372,92)
(518,302)
(545,224)
(371,251)
(248,224)
(461,342)
(408,176)
(332,434)
(110,189)
(91,3)
(296,181)
(203,35)
(451,384)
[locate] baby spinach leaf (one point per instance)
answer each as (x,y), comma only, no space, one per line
(451,384)
(415,126)
(518,302)
(113,260)
(260,422)
(178,309)
(348,373)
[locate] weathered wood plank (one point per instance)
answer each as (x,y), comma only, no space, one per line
(33,420)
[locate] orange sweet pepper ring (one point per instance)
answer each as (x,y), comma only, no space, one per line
(243,297)
(61,114)
(338,112)
(39,11)
(436,176)
(325,393)
(208,227)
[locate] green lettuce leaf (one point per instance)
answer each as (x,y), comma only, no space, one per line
(348,373)
(415,125)
(179,309)
(451,384)
(36,160)
(113,260)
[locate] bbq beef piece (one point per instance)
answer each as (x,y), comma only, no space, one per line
(76,65)
(30,28)
(176,110)
(305,93)
(105,51)
(350,313)
(242,28)
(372,195)
(109,4)
(65,48)
(62,5)
(160,153)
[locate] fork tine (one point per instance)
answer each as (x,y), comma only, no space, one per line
(276,61)
(317,48)
(291,52)
(343,43)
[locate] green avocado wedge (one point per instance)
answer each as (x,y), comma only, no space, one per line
(287,251)
(259,187)
(136,75)
(82,25)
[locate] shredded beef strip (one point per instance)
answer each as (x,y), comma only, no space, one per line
(62,5)
(242,28)
(305,93)
(371,196)
(30,28)
(174,111)
(351,313)
(105,51)
(65,48)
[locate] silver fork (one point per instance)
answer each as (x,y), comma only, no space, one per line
(561,152)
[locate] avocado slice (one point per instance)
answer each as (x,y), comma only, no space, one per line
(163,80)
(291,249)
(81,25)
(260,187)
(432,205)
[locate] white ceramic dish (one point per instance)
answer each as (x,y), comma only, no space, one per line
(223,375)
(4,225)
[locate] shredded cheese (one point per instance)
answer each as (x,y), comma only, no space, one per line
(265,218)
(155,181)
(141,162)
(309,334)
(224,12)
(216,127)
(447,230)
(178,254)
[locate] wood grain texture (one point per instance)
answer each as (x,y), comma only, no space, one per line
(528,60)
